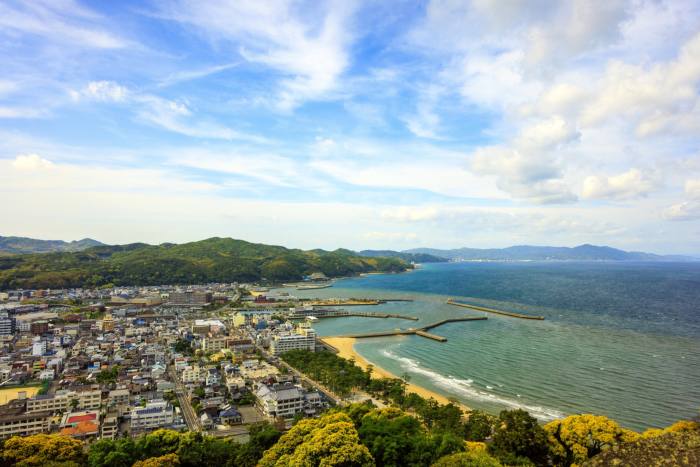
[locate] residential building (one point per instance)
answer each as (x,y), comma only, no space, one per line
(304,338)
(7,326)
(156,414)
(47,403)
(280,400)
(214,344)
(110,428)
(14,421)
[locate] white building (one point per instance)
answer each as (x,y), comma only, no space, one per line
(192,374)
(281,400)
(155,414)
(304,338)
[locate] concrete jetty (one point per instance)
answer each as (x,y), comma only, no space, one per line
(342,313)
(491,310)
(423,332)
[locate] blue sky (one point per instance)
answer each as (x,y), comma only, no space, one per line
(359,124)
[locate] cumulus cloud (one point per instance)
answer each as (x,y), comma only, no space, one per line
(628,185)
(27,162)
(690,208)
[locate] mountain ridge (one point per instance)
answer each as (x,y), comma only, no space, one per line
(26,245)
(211,260)
(585,251)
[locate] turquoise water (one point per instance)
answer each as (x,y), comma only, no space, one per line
(619,339)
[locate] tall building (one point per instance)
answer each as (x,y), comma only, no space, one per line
(304,338)
(7,326)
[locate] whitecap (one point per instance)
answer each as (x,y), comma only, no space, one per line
(463,388)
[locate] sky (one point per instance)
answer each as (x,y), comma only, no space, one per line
(357,124)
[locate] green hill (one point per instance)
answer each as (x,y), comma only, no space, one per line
(22,245)
(211,260)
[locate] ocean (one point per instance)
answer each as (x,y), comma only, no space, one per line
(620,339)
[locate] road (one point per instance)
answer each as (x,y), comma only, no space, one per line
(191,418)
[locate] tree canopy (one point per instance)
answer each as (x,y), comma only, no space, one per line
(331,440)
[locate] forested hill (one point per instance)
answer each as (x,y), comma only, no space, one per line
(211,260)
(20,245)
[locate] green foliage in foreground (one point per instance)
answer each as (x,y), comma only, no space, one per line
(211,260)
(190,449)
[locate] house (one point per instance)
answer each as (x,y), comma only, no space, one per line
(230,416)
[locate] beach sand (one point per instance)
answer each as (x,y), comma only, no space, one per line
(345,348)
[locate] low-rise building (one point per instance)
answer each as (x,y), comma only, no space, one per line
(14,421)
(156,414)
(280,400)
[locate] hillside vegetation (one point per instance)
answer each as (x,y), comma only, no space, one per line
(211,260)
(21,245)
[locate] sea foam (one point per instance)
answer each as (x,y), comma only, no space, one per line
(463,387)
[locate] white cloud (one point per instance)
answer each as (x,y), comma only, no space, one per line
(311,55)
(30,162)
(168,114)
(105,91)
(58,21)
(685,211)
(628,185)
(692,188)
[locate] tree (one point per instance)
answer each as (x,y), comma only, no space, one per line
(168,460)
(479,458)
(397,438)
(517,434)
(41,450)
(331,440)
(479,425)
(112,453)
(577,438)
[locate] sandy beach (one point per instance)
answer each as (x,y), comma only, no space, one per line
(346,350)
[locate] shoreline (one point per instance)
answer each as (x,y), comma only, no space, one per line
(345,347)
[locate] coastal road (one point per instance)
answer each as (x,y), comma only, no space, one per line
(188,412)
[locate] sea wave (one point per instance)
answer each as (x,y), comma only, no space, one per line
(463,387)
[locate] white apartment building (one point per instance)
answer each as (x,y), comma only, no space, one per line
(192,374)
(46,403)
(89,400)
(304,338)
(214,344)
(15,422)
(155,414)
(118,397)
(282,400)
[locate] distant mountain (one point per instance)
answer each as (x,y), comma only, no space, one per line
(410,257)
(545,253)
(211,260)
(21,245)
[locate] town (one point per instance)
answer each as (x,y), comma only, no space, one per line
(123,361)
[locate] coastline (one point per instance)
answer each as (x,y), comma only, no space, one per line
(345,347)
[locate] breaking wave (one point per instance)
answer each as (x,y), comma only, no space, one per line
(463,387)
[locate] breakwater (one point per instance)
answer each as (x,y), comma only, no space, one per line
(423,331)
(491,310)
(342,313)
